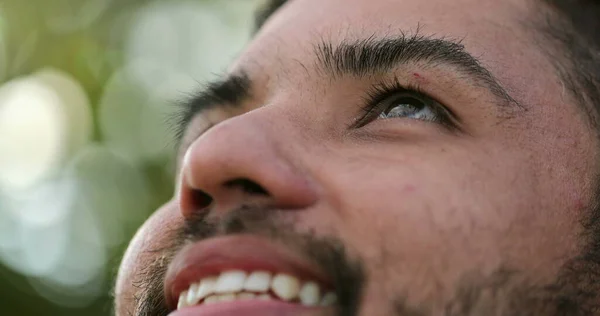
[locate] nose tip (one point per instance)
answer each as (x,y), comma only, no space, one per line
(239,162)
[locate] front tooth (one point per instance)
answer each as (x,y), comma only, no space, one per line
(329,299)
(230,281)
(182,300)
(192,298)
(207,286)
(258,281)
(211,299)
(310,294)
(285,286)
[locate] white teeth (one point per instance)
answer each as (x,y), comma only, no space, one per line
(182,300)
(192,298)
(310,293)
(258,281)
(237,285)
(286,287)
(230,281)
(329,299)
(206,288)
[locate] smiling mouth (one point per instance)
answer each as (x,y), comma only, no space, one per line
(245,275)
(238,285)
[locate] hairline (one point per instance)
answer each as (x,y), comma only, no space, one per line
(569,54)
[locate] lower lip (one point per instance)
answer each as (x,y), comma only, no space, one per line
(247,308)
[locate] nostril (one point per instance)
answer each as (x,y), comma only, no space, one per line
(200,199)
(248,186)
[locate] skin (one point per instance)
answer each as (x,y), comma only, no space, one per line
(425,210)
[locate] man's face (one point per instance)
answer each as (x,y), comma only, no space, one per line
(356,145)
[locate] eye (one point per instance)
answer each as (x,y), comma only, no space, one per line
(394,101)
(405,105)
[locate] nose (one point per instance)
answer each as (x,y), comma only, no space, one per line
(243,160)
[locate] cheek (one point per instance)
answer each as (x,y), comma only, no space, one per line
(156,233)
(443,214)
(439,190)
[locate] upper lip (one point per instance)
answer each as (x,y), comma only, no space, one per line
(239,252)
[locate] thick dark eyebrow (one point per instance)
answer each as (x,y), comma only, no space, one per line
(358,58)
(232,91)
(376,55)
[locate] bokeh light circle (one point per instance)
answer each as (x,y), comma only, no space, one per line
(32,130)
(43,117)
(76,106)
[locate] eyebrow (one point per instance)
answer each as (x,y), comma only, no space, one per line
(375,55)
(358,58)
(231,91)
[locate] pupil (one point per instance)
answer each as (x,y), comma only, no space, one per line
(405,106)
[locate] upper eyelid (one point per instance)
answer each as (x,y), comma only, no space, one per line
(385,88)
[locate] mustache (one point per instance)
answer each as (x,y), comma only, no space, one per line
(326,252)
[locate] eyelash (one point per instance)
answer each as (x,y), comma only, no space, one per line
(385,90)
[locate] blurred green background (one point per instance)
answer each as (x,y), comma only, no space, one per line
(86,155)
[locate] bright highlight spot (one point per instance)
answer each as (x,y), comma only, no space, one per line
(32,129)
(43,118)
(76,107)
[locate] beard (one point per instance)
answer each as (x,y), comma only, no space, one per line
(327,253)
(506,292)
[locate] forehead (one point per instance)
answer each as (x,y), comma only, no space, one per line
(385,13)
(349,18)
(491,30)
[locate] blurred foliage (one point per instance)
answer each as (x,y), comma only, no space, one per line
(111,71)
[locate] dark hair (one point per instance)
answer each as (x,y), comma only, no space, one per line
(573,27)
(266,11)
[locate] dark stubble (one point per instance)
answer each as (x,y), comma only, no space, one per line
(326,252)
(507,292)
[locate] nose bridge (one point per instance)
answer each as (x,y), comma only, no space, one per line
(243,159)
(228,147)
